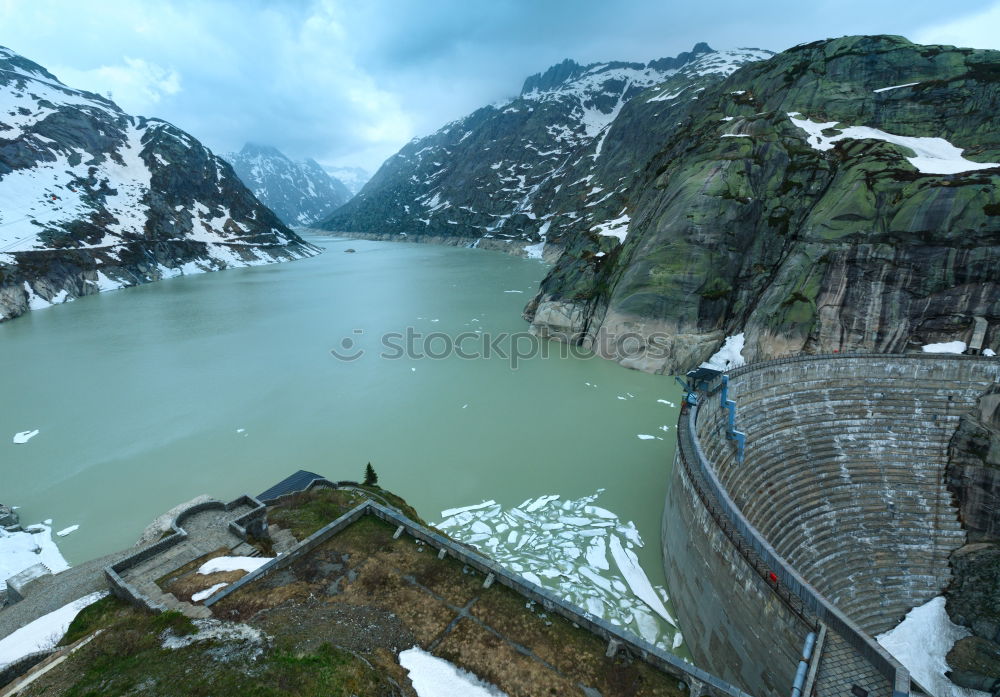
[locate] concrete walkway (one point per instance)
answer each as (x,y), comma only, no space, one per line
(207,532)
(51,592)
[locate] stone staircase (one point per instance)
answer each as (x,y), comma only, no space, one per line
(208,531)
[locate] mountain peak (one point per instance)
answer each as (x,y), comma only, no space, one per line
(258,149)
(553,77)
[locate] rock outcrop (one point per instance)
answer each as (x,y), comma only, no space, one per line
(300,193)
(94,199)
(973,598)
(975,663)
(839,196)
(974,469)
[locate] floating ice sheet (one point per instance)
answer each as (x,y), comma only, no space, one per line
(563,545)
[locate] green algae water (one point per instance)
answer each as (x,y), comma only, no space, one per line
(225,383)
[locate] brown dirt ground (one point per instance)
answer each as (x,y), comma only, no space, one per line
(366,592)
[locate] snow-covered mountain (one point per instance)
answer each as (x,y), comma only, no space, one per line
(94,199)
(354,178)
(301,193)
(552,160)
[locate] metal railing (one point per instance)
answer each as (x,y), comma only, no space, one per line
(793,590)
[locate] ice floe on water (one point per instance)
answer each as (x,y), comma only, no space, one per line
(23,549)
(24,436)
(575,548)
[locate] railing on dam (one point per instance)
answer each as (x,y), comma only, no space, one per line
(791,588)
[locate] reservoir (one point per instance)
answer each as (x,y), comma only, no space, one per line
(225,383)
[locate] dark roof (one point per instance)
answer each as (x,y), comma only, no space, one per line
(296,482)
(699,374)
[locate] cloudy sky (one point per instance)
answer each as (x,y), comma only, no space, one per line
(348,82)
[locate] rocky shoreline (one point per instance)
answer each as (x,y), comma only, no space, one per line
(507,245)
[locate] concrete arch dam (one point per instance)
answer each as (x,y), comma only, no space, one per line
(837,521)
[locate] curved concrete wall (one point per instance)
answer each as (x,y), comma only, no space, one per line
(843,476)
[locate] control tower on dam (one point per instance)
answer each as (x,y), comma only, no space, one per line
(809,511)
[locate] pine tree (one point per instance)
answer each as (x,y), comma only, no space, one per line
(371,479)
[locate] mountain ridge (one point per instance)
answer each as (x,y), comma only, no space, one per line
(447,185)
(94,199)
(299,192)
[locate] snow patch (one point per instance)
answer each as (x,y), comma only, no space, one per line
(729,356)
(45,632)
(921,641)
(945,347)
(233,564)
(208,592)
(33,545)
(435,677)
(895,87)
(932,155)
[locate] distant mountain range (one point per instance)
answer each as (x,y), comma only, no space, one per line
(300,193)
(94,199)
(354,178)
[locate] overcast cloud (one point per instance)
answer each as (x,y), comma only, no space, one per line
(348,82)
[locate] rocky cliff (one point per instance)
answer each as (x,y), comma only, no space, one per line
(839,196)
(300,193)
(94,199)
(555,161)
(973,598)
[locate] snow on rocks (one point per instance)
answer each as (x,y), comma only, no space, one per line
(945,347)
(562,545)
(989,353)
(435,677)
(24,436)
(895,87)
(236,638)
(729,356)
(23,549)
(233,564)
(45,632)
(933,155)
(534,251)
(921,641)
(614,228)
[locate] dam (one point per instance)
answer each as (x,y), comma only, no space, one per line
(809,500)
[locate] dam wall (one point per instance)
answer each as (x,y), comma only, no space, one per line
(838,516)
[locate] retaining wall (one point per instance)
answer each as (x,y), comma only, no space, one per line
(699,682)
(253,522)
